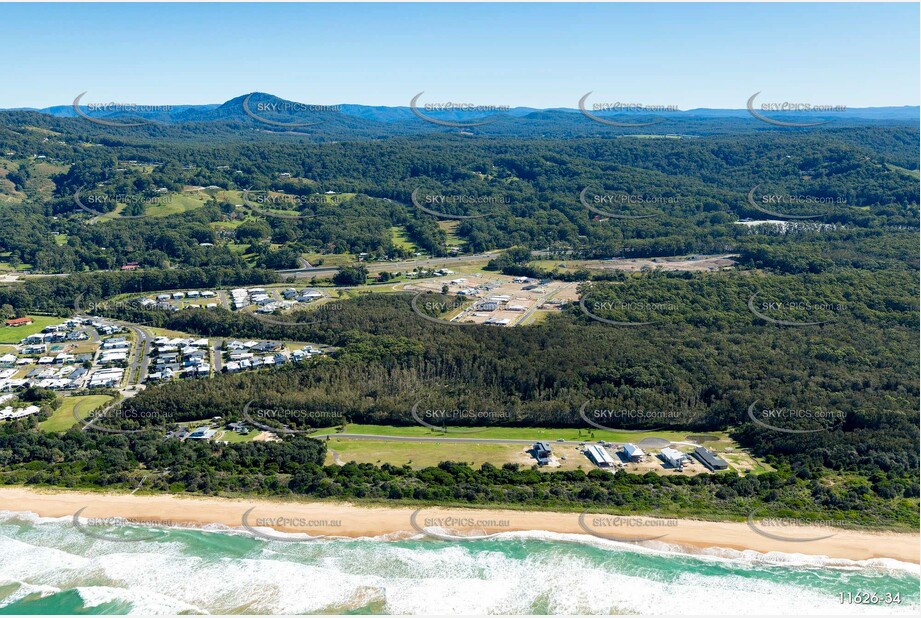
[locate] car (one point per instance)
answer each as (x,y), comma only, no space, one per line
(560,440)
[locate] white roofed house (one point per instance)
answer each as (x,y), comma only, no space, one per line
(673,457)
(633,453)
(8,360)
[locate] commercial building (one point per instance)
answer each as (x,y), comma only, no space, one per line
(709,459)
(673,457)
(599,456)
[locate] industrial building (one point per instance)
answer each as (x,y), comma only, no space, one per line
(599,456)
(673,457)
(709,459)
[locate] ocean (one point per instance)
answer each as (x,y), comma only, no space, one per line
(48,566)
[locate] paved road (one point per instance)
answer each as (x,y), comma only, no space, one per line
(217,364)
(90,332)
(365,436)
(532,310)
(141,357)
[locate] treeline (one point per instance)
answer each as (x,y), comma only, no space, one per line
(293,468)
(702,362)
(696,190)
(64,295)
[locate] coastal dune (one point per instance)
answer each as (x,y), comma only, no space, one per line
(288,520)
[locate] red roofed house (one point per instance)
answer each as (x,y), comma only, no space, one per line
(131,266)
(19,322)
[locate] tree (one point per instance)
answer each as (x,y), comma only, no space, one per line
(351,275)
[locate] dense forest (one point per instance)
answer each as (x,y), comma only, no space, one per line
(691,192)
(820,313)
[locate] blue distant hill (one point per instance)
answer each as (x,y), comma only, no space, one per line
(386,114)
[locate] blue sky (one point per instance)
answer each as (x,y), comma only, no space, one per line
(540,55)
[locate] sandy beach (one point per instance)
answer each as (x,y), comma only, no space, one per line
(349,520)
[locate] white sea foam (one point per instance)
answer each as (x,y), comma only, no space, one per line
(142,602)
(28,590)
(521,572)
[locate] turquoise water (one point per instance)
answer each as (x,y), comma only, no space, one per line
(47,566)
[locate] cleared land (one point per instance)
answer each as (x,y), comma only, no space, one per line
(566,455)
(691,263)
(14,334)
(63,419)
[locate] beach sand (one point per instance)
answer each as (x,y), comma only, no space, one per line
(350,520)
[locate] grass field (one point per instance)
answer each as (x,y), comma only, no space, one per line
(63,419)
(401,239)
(527,433)
(173,334)
(911,173)
(10,334)
(568,456)
(419,455)
(226,435)
(173,204)
(329,259)
(450,227)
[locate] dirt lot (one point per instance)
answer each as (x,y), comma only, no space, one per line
(694,263)
(517,300)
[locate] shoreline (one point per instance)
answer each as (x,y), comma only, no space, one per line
(289,520)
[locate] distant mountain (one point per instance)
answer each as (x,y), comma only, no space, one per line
(260,115)
(277,110)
